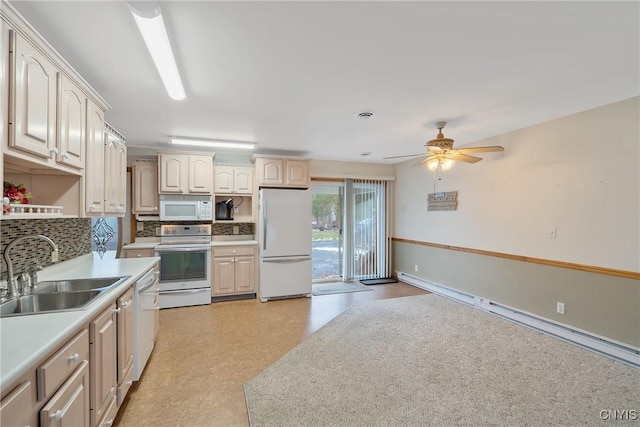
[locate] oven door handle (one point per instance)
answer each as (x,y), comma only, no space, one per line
(189,249)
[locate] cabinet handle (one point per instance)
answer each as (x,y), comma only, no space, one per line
(155,208)
(53,152)
(108,423)
(65,156)
(73,358)
(56,416)
(116,310)
(126,304)
(129,383)
(139,255)
(181,190)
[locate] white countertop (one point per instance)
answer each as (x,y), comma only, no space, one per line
(26,339)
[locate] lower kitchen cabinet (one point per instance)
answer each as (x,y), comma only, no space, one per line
(103,354)
(16,407)
(234,270)
(125,344)
(70,405)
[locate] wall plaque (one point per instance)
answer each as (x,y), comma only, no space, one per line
(443,201)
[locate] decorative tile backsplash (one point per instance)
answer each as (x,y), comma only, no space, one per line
(217,228)
(72,235)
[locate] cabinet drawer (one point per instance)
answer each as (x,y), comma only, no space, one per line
(234,251)
(58,367)
(125,385)
(138,253)
(16,408)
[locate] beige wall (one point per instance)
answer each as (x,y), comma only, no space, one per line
(355,170)
(578,174)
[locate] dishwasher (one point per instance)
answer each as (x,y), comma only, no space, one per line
(145,300)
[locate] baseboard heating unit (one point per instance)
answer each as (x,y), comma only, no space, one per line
(620,351)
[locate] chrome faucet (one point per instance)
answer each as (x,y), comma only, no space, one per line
(12,283)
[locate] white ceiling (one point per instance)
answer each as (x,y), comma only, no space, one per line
(291,76)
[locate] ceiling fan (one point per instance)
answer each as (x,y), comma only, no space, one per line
(440,152)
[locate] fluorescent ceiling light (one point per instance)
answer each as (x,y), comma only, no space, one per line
(155,37)
(214,143)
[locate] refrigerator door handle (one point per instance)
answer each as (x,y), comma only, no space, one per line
(287,259)
(264,223)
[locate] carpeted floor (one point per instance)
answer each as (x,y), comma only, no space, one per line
(426,360)
(338,288)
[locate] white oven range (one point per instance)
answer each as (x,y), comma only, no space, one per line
(185,265)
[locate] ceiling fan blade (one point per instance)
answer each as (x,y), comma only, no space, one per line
(488,149)
(434,150)
(425,160)
(406,155)
(463,158)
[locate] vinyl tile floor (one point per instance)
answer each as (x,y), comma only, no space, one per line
(204,354)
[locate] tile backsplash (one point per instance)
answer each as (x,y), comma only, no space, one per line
(72,235)
(217,228)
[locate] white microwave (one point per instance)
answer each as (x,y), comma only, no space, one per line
(180,207)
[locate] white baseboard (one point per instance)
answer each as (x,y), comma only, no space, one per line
(606,346)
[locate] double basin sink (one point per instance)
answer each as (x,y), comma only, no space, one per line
(59,295)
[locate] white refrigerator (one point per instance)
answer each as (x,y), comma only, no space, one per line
(285,243)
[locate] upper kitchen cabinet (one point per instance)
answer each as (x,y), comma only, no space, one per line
(283,172)
(33,113)
(145,187)
(94,181)
(233,179)
(185,173)
(52,119)
(115,177)
(106,180)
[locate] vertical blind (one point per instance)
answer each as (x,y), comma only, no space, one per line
(367,212)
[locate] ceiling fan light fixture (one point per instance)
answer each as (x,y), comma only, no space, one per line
(432,164)
(446,164)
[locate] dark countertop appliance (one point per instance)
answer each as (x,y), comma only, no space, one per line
(224,210)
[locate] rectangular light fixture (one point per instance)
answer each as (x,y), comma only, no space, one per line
(155,37)
(214,143)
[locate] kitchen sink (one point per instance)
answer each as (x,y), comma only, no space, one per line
(40,303)
(77,285)
(59,295)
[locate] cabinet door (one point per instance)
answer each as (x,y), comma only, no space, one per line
(173,173)
(102,354)
(245,274)
(116,176)
(297,173)
(243,181)
(145,187)
(223,276)
(17,407)
(270,171)
(125,334)
(70,405)
(200,174)
(94,173)
(223,180)
(71,127)
(34,91)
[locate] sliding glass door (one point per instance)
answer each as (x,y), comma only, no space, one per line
(327,231)
(349,230)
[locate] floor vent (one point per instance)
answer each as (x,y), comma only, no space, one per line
(624,353)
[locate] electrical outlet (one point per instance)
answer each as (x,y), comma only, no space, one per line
(236,229)
(560,307)
(140,226)
(415,268)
